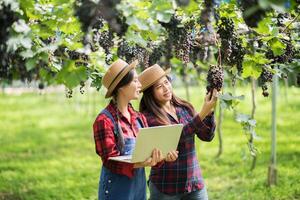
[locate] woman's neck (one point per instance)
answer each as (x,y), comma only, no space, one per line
(170,109)
(122,105)
(167,106)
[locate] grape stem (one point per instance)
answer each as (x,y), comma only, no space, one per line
(219,50)
(291,23)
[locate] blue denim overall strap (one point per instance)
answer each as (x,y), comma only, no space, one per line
(116,130)
(120,187)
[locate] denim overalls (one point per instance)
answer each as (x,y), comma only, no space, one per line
(120,187)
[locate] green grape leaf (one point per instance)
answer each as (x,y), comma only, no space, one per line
(277,46)
(30,63)
(251,69)
(70,75)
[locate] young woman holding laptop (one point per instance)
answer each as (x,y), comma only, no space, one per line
(115,130)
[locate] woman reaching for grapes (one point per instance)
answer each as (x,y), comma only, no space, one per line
(181,179)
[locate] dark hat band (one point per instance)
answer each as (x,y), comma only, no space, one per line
(117,76)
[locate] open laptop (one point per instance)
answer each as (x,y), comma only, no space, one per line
(164,138)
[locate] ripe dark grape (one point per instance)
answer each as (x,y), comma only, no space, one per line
(215,78)
(265,92)
(105,40)
(73,55)
(69,93)
(123,26)
(81,88)
(132,52)
(183,48)
(286,57)
(179,37)
(99,23)
(143,56)
(126,51)
(157,53)
(41,86)
(232,51)
(281,18)
(265,77)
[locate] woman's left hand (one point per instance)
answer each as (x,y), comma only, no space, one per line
(171,156)
(157,156)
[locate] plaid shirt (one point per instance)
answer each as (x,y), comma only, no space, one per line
(184,174)
(105,142)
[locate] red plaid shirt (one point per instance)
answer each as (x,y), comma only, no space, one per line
(184,174)
(105,142)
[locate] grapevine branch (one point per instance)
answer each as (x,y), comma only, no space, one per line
(291,23)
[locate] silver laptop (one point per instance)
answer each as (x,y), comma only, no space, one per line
(164,138)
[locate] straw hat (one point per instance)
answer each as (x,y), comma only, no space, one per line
(152,74)
(115,73)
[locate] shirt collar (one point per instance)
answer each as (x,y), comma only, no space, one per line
(114,110)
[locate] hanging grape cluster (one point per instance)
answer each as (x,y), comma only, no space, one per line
(158,51)
(99,23)
(286,57)
(105,40)
(232,51)
(68,93)
(265,77)
(179,37)
(215,78)
(131,52)
(80,59)
(81,88)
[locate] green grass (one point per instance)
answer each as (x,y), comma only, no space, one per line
(47,148)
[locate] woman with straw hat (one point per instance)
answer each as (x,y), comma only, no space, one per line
(115,130)
(181,179)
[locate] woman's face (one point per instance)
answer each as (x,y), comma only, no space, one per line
(131,90)
(162,90)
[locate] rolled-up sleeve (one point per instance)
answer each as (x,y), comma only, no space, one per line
(204,129)
(106,147)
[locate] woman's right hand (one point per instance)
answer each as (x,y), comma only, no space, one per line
(209,104)
(155,158)
(172,156)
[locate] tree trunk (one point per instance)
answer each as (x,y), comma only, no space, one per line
(186,85)
(233,93)
(286,86)
(219,130)
(272,173)
(253,89)
(3,88)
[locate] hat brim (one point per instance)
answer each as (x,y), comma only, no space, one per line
(119,78)
(167,71)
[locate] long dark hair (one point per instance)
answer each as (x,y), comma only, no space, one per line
(149,104)
(124,81)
